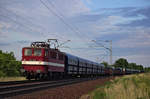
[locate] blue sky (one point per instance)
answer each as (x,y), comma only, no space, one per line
(96,4)
(126,23)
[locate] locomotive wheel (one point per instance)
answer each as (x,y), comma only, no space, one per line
(37,77)
(28,77)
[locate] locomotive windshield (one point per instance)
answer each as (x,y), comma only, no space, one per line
(28,52)
(37,52)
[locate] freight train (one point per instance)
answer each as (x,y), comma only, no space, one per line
(40,61)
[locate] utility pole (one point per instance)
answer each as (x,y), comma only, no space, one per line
(110,52)
(109,49)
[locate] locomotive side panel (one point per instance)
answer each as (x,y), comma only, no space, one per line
(55,60)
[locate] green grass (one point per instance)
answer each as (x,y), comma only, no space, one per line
(127,87)
(99,95)
(3,79)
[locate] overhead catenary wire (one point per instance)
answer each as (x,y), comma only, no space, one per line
(61,18)
(26,23)
(19,23)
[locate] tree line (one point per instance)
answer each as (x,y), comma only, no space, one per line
(9,66)
(123,63)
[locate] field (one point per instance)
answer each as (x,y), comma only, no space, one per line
(127,87)
(3,79)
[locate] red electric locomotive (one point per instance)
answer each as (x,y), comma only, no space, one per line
(39,61)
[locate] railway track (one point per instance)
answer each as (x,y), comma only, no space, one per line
(15,82)
(24,88)
(10,83)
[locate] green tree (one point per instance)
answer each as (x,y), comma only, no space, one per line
(123,63)
(135,66)
(147,69)
(9,66)
(105,63)
(140,67)
(132,66)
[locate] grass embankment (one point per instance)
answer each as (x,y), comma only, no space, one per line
(4,79)
(127,87)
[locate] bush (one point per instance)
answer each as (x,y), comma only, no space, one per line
(9,66)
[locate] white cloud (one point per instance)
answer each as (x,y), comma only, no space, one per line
(70,7)
(139,37)
(4,25)
(109,25)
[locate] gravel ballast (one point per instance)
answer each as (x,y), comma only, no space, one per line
(73,91)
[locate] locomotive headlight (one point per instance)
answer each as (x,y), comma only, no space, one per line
(38,71)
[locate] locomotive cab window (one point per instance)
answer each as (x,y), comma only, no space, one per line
(28,52)
(37,52)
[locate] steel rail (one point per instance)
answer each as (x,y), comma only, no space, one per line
(6,83)
(8,91)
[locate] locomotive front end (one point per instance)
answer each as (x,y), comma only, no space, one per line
(33,65)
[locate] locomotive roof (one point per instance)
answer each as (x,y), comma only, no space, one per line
(43,48)
(82,59)
(71,56)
